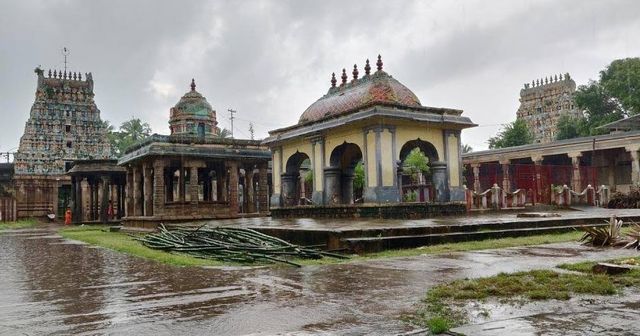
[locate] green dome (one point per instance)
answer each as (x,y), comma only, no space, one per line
(195,104)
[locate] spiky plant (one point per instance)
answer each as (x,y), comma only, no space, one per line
(603,235)
(634,237)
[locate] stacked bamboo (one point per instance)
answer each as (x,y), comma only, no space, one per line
(228,244)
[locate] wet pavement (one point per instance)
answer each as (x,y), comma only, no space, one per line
(52,286)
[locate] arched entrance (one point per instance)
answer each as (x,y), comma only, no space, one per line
(294,189)
(340,175)
(421,175)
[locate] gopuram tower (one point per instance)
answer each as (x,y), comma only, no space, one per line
(543,102)
(64,125)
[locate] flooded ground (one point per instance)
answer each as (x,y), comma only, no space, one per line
(52,286)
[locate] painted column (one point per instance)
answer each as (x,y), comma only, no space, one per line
(332,177)
(92,201)
(318,165)
(159,187)
(137,191)
(263,188)
(181,184)
(347,181)
(233,188)
(104,203)
(635,165)
(538,195)
(370,166)
(453,158)
(439,176)
(290,183)
(476,177)
(506,179)
(147,173)
(576,182)
(276,175)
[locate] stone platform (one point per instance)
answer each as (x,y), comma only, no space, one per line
(370,235)
(384,211)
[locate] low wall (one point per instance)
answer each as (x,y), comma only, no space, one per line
(385,211)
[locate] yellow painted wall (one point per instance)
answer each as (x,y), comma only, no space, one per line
(405,133)
(371,159)
(275,170)
(454,176)
(338,136)
(386,157)
(290,148)
(317,168)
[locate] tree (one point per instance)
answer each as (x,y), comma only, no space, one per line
(224,134)
(130,132)
(516,133)
(570,127)
(416,164)
(466,148)
(358,180)
(621,80)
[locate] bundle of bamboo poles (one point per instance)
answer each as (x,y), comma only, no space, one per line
(230,245)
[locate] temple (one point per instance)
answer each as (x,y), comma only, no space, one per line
(373,121)
(64,125)
(193,174)
(543,103)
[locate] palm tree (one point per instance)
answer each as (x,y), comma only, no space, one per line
(224,134)
(135,129)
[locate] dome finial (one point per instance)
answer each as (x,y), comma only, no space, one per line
(193,84)
(344,76)
(379,63)
(355,72)
(367,68)
(333,80)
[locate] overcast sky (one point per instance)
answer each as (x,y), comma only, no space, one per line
(270,60)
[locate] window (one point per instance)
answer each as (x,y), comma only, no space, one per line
(201,130)
(67,128)
(69,144)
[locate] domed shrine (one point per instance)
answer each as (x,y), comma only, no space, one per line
(363,129)
(193,173)
(193,116)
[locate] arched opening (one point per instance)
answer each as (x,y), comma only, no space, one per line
(201,129)
(415,171)
(294,189)
(340,177)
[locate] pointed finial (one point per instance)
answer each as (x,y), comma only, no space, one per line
(75,76)
(49,73)
(65,75)
(355,72)
(344,76)
(533,83)
(379,63)
(555,79)
(193,84)
(55,74)
(333,80)
(367,68)
(79,75)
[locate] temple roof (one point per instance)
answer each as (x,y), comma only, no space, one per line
(193,103)
(378,88)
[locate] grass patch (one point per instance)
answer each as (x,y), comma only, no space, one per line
(21,224)
(441,301)
(117,241)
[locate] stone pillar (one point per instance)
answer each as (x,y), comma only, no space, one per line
(76,183)
(538,195)
(576,181)
(233,188)
(181,185)
(159,187)
(104,202)
(147,173)
(194,188)
(289,189)
(251,202)
(476,177)
(263,188)
(92,200)
(439,176)
(137,191)
(224,185)
(635,166)
(347,186)
(119,198)
(129,191)
(506,179)
(332,186)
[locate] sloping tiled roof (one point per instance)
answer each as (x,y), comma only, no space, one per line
(378,88)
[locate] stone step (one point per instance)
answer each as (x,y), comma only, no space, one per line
(376,244)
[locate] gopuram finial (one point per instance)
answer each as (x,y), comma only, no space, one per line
(333,80)
(193,84)
(379,63)
(344,76)
(367,68)
(355,72)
